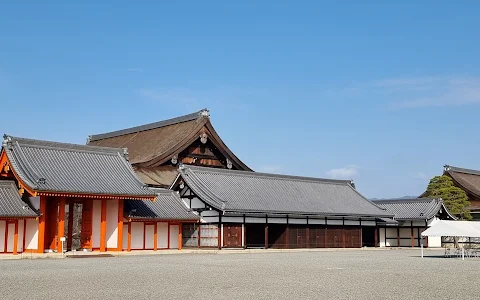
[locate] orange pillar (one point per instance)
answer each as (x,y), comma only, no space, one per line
(155,236)
(15,239)
(180,240)
(70,224)
(103,227)
(120,226)
(41,224)
(61,223)
(129,242)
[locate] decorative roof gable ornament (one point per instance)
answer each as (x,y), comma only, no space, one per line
(229,163)
(125,153)
(203,138)
(204,113)
(446,168)
(7,141)
(175,159)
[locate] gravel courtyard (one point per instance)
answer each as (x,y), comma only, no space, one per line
(351,274)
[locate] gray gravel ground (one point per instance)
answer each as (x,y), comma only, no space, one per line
(355,274)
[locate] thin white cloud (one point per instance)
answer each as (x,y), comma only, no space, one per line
(343,173)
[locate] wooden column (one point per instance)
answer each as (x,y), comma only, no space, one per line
(70,224)
(6,237)
(266,236)
(120,225)
(412,235)
(15,239)
(103,226)
(24,234)
(155,236)
(308,234)
(244,234)
(180,238)
(220,232)
(168,235)
(398,236)
(129,238)
(41,224)
(376,236)
(61,223)
(199,235)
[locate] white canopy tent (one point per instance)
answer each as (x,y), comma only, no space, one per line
(453,229)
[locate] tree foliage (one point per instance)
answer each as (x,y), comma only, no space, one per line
(455,198)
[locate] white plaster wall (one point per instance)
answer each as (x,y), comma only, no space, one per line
(174,236)
(368,223)
(277,220)
(112,224)
(96,223)
(382,237)
(196,203)
(137,235)
(232,219)
(35,201)
(125,235)
(11,233)
(352,222)
(162,235)
(406,232)
(316,221)
(418,223)
(210,219)
(31,235)
(255,220)
(149,236)
(21,232)
(2,235)
(334,222)
(297,221)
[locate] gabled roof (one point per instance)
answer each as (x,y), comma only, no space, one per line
(466,178)
(168,206)
(11,204)
(413,209)
(240,191)
(153,144)
(44,166)
(162,176)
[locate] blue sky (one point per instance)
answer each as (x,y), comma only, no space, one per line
(381,93)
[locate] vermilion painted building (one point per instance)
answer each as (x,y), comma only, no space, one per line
(43,182)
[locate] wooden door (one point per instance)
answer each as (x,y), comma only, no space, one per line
(232,235)
(87,218)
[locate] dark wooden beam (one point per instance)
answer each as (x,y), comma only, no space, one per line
(266,231)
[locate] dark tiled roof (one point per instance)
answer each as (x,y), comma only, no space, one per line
(157,176)
(153,144)
(466,178)
(412,209)
(242,191)
(70,168)
(160,124)
(11,204)
(168,206)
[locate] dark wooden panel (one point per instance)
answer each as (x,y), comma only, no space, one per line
(87,218)
(353,237)
(232,235)
(317,237)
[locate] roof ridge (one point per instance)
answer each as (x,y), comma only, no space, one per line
(461,170)
(400,200)
(204,113)
(62,145)
(268,175)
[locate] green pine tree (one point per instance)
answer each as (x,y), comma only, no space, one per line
(455,198)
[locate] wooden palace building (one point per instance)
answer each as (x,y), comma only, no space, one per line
(469,181)
(87,194)
(175,184)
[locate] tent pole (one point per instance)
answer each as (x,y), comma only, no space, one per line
(421,246)
(463,253)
